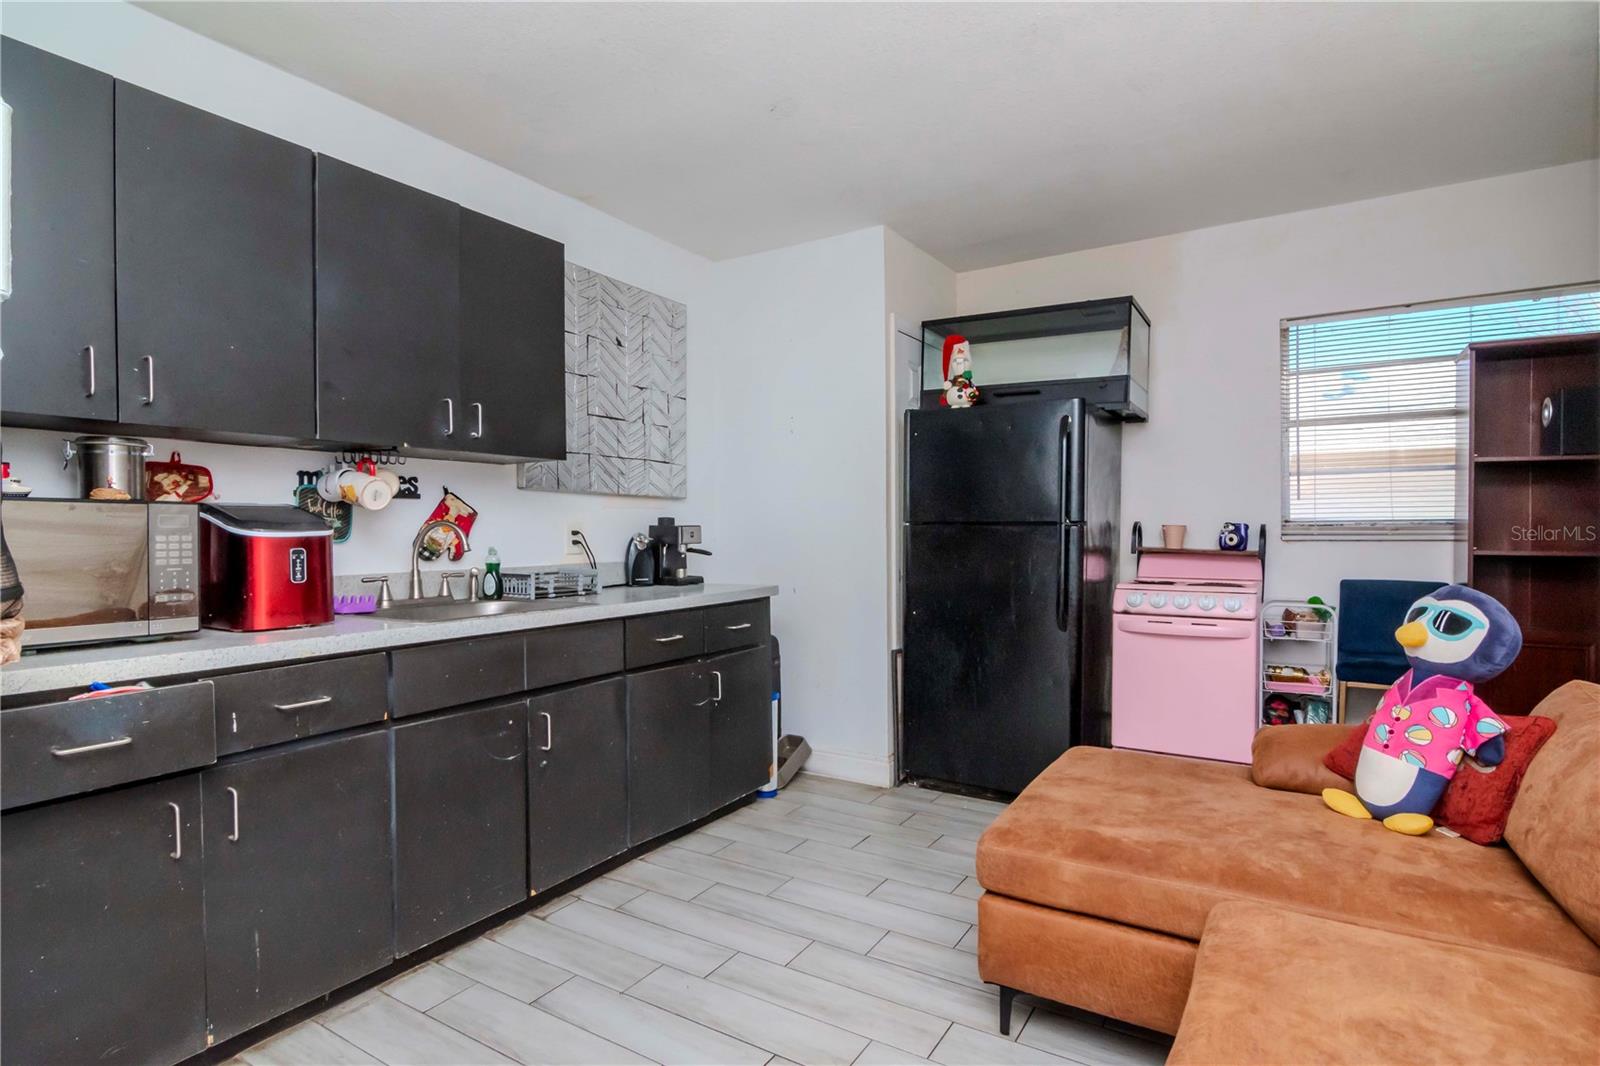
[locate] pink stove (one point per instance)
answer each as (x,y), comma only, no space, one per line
(1185,657)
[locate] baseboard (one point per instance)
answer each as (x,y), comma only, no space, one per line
(875,770)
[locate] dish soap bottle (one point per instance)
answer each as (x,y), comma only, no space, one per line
(493,588)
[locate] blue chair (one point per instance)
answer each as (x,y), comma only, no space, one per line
(1369,613)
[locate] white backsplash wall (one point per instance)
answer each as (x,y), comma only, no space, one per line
(527,527)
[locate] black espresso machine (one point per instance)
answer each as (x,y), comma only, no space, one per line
(662,557)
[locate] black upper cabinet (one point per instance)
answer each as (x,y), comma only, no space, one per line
(512,396)
(298,875)
(214,273)
(388,312)
(60,325)
(102,927)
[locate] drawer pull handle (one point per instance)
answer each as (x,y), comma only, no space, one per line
(177,831)
(303,704)
(234,836)
(741,625)
(718,675)
(104,745)
(548,741)
(669,640)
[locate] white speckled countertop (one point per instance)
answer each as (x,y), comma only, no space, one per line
(212,650)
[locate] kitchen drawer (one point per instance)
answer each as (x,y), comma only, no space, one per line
(60,749)
(661,638)
(736,625)
(459,672)
(263,707)
(573,653)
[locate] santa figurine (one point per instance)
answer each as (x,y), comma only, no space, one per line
(959,391)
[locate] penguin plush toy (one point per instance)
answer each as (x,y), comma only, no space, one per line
(1431,718)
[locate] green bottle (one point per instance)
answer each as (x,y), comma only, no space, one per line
(493,588)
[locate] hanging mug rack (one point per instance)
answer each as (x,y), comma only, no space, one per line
(380,456)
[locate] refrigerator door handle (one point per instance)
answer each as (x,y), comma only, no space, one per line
(1069,595)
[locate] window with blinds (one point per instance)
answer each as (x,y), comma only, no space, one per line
(1375,405)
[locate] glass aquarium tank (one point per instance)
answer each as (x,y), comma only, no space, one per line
(1097,349)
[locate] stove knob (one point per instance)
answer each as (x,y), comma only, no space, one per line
(1181,602)
(1232,603)
(1158,600)
(1208,603)
(1134,599)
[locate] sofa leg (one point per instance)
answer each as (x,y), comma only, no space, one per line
(1006,996)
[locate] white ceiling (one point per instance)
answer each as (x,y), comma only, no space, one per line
(985,133)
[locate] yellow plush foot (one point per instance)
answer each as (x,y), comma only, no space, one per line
(1345,803)
(1412,825)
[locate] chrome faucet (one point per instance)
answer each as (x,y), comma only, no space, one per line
(416,548)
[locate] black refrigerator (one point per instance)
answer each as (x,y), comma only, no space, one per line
(1010,557)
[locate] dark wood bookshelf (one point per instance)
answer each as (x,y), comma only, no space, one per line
(1535,458)
(1532,518)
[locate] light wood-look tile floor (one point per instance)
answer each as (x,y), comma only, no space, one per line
(834,924)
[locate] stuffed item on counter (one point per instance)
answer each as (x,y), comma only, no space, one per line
(959,391)
(1431,718)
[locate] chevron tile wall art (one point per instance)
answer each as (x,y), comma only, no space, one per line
(627,385)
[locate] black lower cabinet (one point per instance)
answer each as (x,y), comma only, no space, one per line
(102,928)
(460,828)
(577,780)
(741,723)
(669,765)
(298,889)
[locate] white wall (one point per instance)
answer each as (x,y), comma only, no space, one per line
(802,468)
(526,526)
(1210,451)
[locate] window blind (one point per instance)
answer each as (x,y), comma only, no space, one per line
(1374,409)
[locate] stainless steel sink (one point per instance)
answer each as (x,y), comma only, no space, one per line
(452,610)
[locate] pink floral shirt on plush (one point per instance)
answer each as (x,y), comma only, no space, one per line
(1432,725)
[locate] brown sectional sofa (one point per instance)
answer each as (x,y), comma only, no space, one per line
(1112,869)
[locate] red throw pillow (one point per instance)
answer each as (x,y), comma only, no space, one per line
(1478,799)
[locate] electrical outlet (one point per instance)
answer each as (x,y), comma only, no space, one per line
(574,537)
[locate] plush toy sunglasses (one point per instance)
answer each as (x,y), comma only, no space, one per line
(1445,622)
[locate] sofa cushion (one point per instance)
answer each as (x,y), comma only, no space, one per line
(1157,841)
(1555,823)
(1274,986)
(1290,757)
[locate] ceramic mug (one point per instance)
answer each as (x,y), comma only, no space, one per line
(1172,536)
(328,484)
(363,489)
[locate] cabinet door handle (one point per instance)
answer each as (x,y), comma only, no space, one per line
(88,353)
(177,831)
(478,407)
(548,730)
(718,675)
(669,640)
(741,625)
(449,416)
(234,836)
(104,745)
(150,380)
(316,701)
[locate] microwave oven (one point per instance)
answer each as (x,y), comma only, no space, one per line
(95,571)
